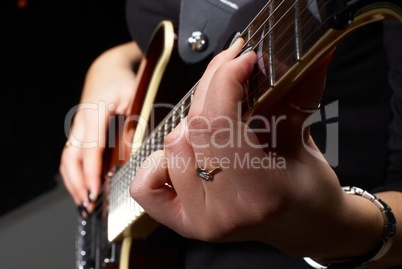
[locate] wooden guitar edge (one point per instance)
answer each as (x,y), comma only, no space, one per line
(143,224)
(154,83)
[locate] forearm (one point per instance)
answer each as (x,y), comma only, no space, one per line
(112,78)
(126,55)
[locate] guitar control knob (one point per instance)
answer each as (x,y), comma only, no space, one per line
(198,41)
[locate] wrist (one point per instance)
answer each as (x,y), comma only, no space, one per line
(364,236)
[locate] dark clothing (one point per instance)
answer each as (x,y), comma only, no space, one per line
(144,16)
(363,69)
(364,76)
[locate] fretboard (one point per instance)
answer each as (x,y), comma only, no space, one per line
(122,208)
(281,34)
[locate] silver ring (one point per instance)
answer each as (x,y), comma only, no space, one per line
(305,110)
(207,174)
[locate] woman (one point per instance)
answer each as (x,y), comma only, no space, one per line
(298,208)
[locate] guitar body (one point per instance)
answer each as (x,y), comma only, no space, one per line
(119,234)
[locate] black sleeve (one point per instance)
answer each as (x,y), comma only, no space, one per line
(143,18)
(393,45)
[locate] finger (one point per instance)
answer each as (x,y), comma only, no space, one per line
(199,125)
(92,168)
(228,87)
(199,97)
(151,189)
(181,175)
(182,166)
(91,137)
(71,172)
(225,117)
(81,162)
(234,143)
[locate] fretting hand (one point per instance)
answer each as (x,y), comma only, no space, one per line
(280,194)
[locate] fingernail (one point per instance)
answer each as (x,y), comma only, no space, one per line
(91,197)
(82,210)
(235,36)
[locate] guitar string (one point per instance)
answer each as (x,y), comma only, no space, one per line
(312,36)
(186,97)
(191,92)
(291,55)
(286,46)
(176,108)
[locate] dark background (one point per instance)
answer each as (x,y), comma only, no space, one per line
(47,47)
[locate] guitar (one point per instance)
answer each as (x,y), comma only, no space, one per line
(293,33)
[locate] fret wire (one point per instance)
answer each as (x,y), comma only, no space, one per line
(254,94)
(267,9)
(271,60)
(127,199)
(115,185)
(248,28)
(263,11)
(310,36)
(136,162)
(272,25)
(191,93)
(122,196)
(134,165)
(153,141)
(142,156)
(298,40)
(118,198)
(148,147)
(323,23)
(174,117)
(182,111)
(166,127)
(176,122)
(277,22)
(130,203)
(184,100)
(159,138)
(285,48)
(271,13)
